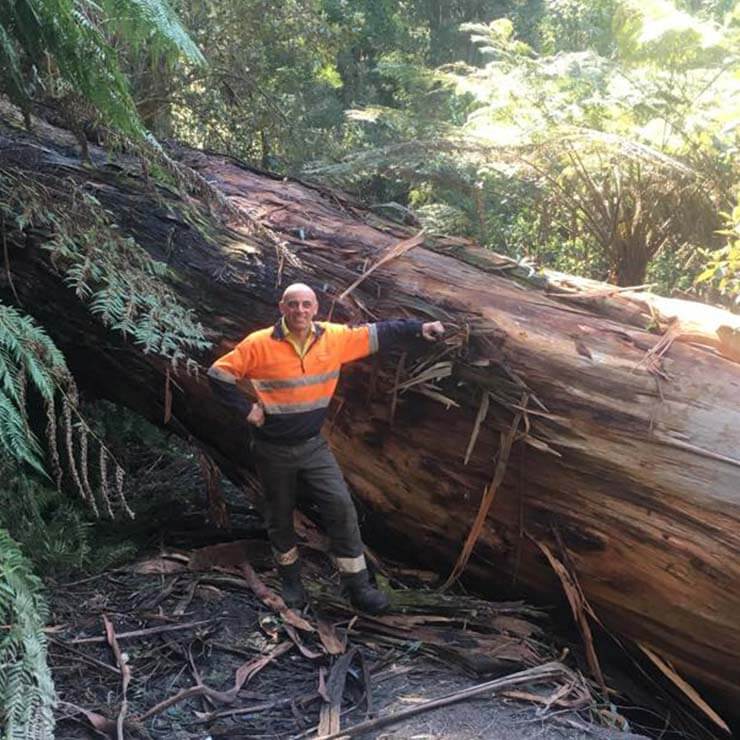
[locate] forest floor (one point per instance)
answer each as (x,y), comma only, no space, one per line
(191,640)
(175,630)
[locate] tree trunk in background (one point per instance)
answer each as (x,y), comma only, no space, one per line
(631,264)
(154,85)
(639,478)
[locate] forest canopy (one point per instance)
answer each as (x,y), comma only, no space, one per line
(594,137)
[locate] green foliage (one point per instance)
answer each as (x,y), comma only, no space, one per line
(27,695)
(26,354)
(108,270)
(281,75)
(574,25)
(47,41)
(271,93)
(151,26)
(621,139)
(720,278)
(53,528)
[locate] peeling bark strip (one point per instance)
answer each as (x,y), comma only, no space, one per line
(579,607)
(637,472)
(330,717)
(504,450)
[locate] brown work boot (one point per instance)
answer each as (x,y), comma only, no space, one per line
(292,590)
(362,595)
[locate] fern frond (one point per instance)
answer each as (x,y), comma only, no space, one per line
(15,437)
(144,21)
(27,354)
(120,282)
(10,66)
(72,33)
(27,695)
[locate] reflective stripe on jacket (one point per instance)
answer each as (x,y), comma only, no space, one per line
(295,391)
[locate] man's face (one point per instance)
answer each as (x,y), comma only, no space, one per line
(299,308)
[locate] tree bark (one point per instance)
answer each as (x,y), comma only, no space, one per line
(631,263)
(628,458)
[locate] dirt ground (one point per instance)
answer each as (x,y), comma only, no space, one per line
(488,717)
(230,626)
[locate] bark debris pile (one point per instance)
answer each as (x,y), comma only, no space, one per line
(193,642)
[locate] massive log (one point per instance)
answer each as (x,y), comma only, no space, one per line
(624,455)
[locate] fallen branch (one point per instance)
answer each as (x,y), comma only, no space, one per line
(519,339)
(545,672)
(140,633)
(243,674)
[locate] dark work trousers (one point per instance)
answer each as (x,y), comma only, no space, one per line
(310,467)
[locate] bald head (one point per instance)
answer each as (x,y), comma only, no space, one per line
(296,288)
(298,307)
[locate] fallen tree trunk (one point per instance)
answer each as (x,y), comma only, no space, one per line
(623,443)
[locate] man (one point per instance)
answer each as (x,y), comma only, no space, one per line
(294,368)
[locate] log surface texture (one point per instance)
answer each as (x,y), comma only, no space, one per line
(634,477)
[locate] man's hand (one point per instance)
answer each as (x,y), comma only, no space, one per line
(432,330)
(256,416)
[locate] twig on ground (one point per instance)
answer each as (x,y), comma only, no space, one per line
(140,633)
(85,658)
(255,708)
(122,660)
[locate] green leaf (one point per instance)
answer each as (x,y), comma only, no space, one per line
(708,274)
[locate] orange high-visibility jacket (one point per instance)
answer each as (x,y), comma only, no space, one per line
(294,390)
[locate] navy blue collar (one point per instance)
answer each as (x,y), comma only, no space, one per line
(278,333)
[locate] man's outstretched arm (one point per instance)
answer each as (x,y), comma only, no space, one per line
(385,335)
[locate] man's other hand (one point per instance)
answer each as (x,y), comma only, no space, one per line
(256,416)
(432,330)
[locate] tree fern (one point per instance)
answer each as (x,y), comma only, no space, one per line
(72,35)
(143,22)
(27,695)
